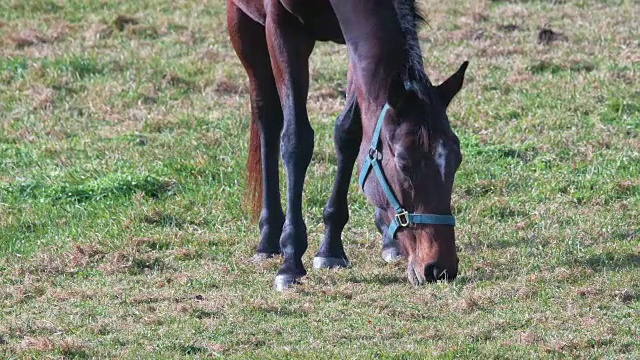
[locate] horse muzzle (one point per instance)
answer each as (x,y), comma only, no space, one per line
(432,272)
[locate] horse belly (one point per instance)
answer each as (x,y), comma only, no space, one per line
(317,17)
(253,8)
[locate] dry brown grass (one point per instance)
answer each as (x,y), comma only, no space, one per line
(547,195)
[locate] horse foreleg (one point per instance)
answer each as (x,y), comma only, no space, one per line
(289,48)
(347,138)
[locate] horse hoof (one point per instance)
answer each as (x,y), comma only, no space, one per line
(260,257)
(320,262)
(390,254)
(284,282)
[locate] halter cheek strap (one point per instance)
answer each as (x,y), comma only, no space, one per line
(402,218)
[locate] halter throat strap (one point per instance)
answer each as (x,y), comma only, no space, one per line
(402,217)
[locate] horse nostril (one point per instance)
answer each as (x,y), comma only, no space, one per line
(433,272)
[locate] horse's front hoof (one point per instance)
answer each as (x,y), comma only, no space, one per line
(320,262)
(391,254)
(260,257)
(284,282)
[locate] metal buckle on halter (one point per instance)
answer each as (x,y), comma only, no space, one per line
(403,218)
(374,154)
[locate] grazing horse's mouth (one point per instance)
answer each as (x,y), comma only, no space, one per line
(420,275)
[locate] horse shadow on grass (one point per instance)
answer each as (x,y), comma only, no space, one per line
(376,279)
(390,279)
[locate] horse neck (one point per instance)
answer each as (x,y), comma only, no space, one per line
(375,68)
(374,65)
(382,40)
(380,45)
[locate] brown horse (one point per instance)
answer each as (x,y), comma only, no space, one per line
(394,123)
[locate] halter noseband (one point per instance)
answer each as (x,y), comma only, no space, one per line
(402,218)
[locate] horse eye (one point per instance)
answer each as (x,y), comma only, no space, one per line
(403,161)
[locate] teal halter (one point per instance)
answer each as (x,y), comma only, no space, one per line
(402,218)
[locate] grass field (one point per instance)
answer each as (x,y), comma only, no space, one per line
(123,131)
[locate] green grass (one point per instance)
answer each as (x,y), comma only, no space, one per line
(122,152)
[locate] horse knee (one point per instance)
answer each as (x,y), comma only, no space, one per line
(297,143)
(271,220)
(335,215)
(347,132)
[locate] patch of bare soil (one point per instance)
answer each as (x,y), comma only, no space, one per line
(547,36)
(31,37)
(27,38)
(509,28)
(68,347)
(123,21)
(227,87)
(43,97)
(39,344)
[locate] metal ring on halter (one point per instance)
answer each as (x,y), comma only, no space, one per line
(403,218)
(374,154)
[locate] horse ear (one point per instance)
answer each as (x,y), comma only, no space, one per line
(450,87)
(400,92)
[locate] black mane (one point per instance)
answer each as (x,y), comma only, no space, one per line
(411,20)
